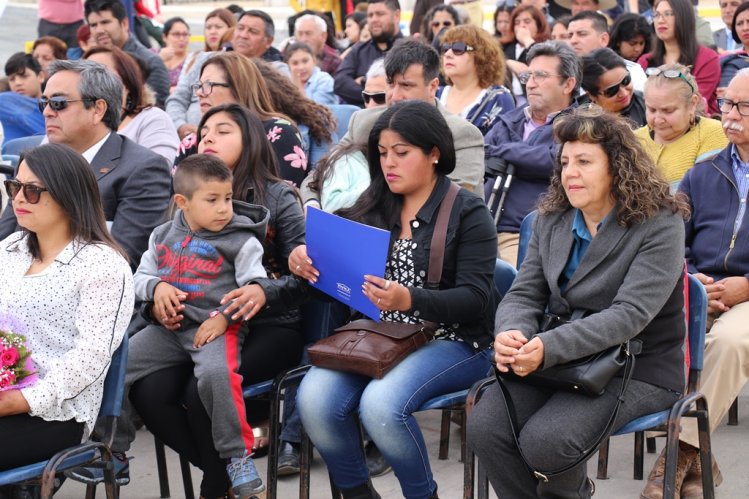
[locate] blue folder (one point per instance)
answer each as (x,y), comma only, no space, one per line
(344,251)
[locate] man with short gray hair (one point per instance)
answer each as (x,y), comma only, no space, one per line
(313,30)
(81,106)
(520,151)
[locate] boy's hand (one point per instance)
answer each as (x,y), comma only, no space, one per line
(210,330)
(167,301)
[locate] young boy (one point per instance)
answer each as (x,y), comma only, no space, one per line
(206,251)
(24,75)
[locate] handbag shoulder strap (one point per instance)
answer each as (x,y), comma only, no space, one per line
(437,252)
(629,367)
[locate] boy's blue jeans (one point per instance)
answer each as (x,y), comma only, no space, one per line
(328,400)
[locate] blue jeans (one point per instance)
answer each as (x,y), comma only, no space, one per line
(328,401)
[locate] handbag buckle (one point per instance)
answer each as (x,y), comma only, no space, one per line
(541,476)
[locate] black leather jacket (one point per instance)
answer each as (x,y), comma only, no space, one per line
(284,292)
(466,298)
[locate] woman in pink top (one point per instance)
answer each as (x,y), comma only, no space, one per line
(674,23)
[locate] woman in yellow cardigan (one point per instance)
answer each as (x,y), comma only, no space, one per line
(677,135)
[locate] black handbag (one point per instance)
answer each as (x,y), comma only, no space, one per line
(588,376)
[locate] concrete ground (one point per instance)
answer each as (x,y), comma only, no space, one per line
(728,442)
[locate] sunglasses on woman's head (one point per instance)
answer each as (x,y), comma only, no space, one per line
(670,74)
(57,103)
(458,48)
(377,97)
(614,89)
(31,192)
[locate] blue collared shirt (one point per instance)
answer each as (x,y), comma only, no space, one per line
(741,174)
(582,239)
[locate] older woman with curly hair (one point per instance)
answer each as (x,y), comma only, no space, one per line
(607,247)
(474,69)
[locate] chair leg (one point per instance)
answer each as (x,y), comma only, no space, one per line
(445,434)
(703,429)
(91,491)
(639,463)
(603,461)
(733,413)
(184,465)
(463,425)
(305,461)
(650,442)
(469,465)
(161,468)
(483,483)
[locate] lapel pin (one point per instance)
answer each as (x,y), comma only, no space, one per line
(104,170)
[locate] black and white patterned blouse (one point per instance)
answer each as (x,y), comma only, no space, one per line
(400,268)
(73,314)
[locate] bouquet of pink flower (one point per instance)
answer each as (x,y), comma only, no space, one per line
(16,368)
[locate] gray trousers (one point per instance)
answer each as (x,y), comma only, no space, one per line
(555,428)
(219,385)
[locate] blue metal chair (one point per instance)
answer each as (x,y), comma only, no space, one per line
(670,420)
(89,453)
(21,144)
(342,113)
(526,231)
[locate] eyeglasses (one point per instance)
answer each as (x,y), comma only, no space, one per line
(444,24)
(666,14)
(614,89)
(726,106)
(669,73)
(377,97)
(58,103)
(458,48)
(31,192)
(179,34)
(539,76)
(206,87)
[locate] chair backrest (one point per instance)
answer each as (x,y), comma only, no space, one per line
(21,144)
(342,113)
(11,159)
(697,325)
(114,384)
(504,274)
(526,231)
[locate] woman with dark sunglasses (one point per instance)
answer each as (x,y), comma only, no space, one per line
(67,287)
(375,85)
(474,69)
(438,18)
(609,84)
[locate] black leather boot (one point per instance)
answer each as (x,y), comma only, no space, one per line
(363,491)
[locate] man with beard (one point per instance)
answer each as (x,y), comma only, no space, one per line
(717,252)
(383,19)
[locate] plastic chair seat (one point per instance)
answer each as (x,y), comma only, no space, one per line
(32,471)
(262,388)
(445,401)
(644,423)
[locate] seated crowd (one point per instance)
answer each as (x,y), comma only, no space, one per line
(161,190)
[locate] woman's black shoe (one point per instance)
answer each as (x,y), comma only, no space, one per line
(376,462)
(288,459)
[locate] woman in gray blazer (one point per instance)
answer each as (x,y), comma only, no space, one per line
(609,240)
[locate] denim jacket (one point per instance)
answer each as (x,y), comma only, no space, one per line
(466,298)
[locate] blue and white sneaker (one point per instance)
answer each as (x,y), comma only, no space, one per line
(245,480)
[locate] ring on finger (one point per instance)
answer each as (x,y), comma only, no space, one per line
(379,300)
(297,268)
(251,303)
(387,285)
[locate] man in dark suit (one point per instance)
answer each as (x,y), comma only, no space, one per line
(82,103)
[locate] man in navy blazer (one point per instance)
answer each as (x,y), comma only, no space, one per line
(82,103)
